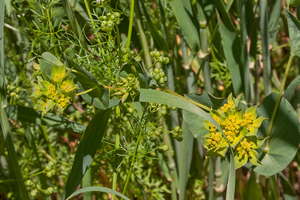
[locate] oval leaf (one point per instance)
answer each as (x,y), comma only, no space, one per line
(284,138)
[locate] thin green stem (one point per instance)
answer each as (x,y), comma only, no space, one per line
(43,129)
(133,159)
(119,46)
(92,21)
(129,30)
(117,145)
(279,98)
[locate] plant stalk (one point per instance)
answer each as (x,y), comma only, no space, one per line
(129,30)
(279,98)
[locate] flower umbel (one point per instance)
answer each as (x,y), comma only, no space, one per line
(240,129)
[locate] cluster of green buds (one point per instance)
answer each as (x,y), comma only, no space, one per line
(57,92)
(159,57)
(127,86)
(35,188)
(240,129)
(159,75)
(109,21)
(177,133)
(14,92)
(164,109)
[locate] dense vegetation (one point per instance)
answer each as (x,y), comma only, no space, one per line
(152,99)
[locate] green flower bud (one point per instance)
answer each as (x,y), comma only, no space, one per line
(156,70)
(177,129)
(117,15)
(153,153)
(161,59)
(103,23)
(166,60)
(33,192)
(179,138)
(161,80)
(28,183)
(47,168)
(13,94)
(162,74)
(18,90)
(157,54)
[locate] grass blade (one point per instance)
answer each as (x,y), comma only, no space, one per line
(232,47)
(97,189)
(265,47)
(86,151)
(5,127)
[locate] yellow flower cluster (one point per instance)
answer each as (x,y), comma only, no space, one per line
(66,87)
(226,106)
(58,77)
(231,127)
(63,101)
(215,139)
(244,147)
(248,120)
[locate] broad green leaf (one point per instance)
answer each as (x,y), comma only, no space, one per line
(186,24)
(160,97)
(284,138)
(46,68)
(159,41)
(294,28)
(288,190)
(89,143)
(265,47)
(252,190)
(51,58)
(273,22)
(232,47)
(97,189)
(29,115)
(97,95)
(289,92)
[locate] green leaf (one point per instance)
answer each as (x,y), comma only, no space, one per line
(46,68)
(289,92)
(27,114)
(97,189)
(273,22)
(232,47)
(52,59)
(231,180)
(253,158)
(186,24)
(284,138)
(86,150)
(252,190)
(97,95)
(294,28)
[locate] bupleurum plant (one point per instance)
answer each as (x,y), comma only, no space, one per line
(57,91)
(240,129)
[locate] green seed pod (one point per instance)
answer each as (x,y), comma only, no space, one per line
(152,53)
(152,74)
(49,174)
(9,87)
(161,59)
(13,94)
(157,53)
(33,192)
(103,23)
(166,60)
(18,90)
(47,168)
(46,192)
(162,74)
(177,129)
(157,133)
(153,138)
(28,183)
(156,70)
(50,189)
(161,81)
(174,108)
(164,148)
(179,138)
(112,17)
(117,15)
(156,77)
(17,97)
(153,153)
(180,132)
(108,14)
(51,163)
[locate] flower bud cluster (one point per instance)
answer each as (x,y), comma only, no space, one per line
(14,92)
(109,20)
(57,91)
(240,130)
(126,87)
(159,57)
(159,75)
(177,133)
(35,188)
